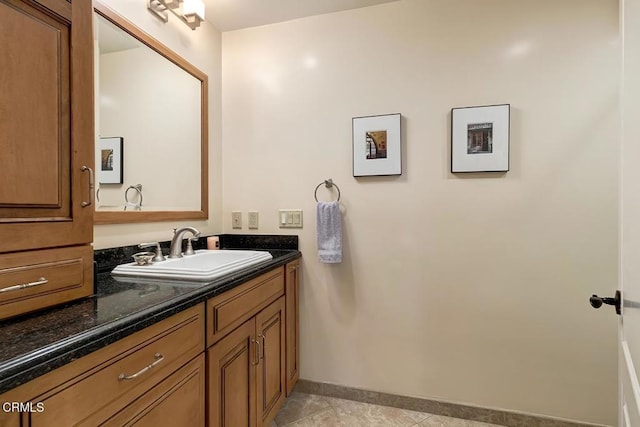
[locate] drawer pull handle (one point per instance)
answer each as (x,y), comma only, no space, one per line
(92,185)
(40,281)
(264,343)
(159,358)
(257,347)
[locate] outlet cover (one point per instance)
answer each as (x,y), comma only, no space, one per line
(236,219)
(253,220)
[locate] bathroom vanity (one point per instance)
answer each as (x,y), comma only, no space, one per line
(159,354)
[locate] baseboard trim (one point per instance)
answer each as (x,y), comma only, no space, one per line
(486,415)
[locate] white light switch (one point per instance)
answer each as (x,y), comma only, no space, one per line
(290,218)
(236,219)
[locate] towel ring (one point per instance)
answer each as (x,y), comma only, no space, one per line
(327,183)
(138,189)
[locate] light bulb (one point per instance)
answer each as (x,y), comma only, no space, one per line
(193,7)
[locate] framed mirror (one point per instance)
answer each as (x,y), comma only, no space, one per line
(151,126)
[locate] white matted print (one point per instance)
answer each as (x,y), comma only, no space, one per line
(111,160)
(376,145)
(480,139)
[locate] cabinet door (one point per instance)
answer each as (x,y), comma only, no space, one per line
(292,288)
(231,378)
(271,391)
(178,401)
(9,419)
(46,123)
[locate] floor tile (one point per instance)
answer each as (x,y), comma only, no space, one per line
(298,406)
(441,421)
(309,410)
(363,414)
(324,418)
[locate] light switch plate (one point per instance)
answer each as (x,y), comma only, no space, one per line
(290,218)
(236,219)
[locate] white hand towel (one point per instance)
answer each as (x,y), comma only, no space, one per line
(329,229)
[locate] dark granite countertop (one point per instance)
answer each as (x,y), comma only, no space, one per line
(35,344)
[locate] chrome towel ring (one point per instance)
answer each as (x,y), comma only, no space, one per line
(329,184)
(138,189)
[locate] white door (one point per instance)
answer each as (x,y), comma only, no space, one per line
(630,217)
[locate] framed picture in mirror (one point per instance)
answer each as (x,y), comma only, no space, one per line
(111,160)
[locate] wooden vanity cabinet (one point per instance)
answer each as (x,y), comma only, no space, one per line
(47,140)
(162,375)
(155,374)
(246,383)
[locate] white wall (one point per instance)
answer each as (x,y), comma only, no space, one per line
(465,288)
(202,48)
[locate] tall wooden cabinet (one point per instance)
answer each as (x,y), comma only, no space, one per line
(47,143)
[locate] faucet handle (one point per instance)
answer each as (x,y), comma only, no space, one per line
(159,256)
(189,250)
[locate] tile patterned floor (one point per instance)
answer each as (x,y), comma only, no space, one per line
(309,410)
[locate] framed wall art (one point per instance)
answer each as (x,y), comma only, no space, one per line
(480,139)
(376,145)
(111,162)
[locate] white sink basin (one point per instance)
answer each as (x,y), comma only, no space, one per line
(201,267)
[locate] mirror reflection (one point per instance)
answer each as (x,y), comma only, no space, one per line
(149,116)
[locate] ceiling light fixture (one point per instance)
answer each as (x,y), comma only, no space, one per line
(191,12)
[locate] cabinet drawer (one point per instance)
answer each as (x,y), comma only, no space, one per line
(133,366)
(178,401)
(37,279)
(232,308)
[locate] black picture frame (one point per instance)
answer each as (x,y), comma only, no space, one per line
(111,170)
(480,138)
(377,145)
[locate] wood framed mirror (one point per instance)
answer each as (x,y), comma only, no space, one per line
(151,127)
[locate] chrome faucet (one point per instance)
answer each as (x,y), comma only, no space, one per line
(176,243)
